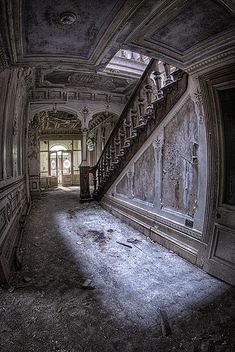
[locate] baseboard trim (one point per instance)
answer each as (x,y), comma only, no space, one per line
(166,233)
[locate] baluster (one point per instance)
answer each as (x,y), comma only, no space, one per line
(112,152)
(128,124)
(105,165)
(134,120)
(108,158)
(141,102)
(99,175)
(149,94)
(102,170)
(122,138)
(117,146)
(157,79)
(95,179)
(122,134)
(167,69)
(141,58)
(123,54)
(134,116)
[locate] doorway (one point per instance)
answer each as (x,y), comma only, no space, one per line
(59,163)
(220,228)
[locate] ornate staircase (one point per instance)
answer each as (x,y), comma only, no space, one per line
(155,95)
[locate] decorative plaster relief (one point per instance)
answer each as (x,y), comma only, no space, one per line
(144,176)
(180,166)
(197,98)
(33,146)
(158,146)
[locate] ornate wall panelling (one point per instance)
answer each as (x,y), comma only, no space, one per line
(168,205)
(15,84)
(180,162)
(65,95)
(13,205)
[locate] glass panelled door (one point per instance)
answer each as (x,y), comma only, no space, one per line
(59,162)
(53,164)
(66,162)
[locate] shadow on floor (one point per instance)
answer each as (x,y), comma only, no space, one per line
(67,243)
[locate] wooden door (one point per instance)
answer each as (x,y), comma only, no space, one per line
(221,254)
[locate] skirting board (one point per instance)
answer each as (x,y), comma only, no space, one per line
(168,234)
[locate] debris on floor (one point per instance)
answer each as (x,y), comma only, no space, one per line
(133,240)
(59,311)
(80,242)
(124,244)
(11,289)
(26,279)
(110,230)
(87,285)
(166,330)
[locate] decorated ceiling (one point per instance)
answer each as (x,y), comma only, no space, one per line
(58,122)
(83,36)
(46,32)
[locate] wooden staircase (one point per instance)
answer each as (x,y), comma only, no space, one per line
(155,95)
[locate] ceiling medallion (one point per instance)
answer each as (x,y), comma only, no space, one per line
(67,18)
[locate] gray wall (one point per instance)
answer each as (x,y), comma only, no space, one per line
(162,190)
(13,190)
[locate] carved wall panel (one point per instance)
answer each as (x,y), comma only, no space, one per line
(144,176)
(122,186)
(180,161)
(13,204)
(13,196)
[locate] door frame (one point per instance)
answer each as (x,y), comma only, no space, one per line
(219,79)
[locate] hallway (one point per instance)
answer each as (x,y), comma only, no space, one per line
(49,308)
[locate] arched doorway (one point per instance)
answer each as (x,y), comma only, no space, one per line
(59,162)
(54,150)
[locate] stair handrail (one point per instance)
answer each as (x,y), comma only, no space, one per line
(125,110)
(153,97)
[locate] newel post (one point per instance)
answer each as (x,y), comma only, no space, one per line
(84,170)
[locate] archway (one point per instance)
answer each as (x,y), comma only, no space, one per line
(54,150)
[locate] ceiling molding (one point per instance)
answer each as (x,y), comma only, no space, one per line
(181,32)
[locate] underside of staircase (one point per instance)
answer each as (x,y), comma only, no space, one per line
(155,95)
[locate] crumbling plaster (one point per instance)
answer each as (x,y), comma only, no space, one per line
(173,226)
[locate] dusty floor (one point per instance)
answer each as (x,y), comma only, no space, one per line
(67,243)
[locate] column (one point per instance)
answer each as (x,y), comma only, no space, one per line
(84,170)
(199,155)
(34,157)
